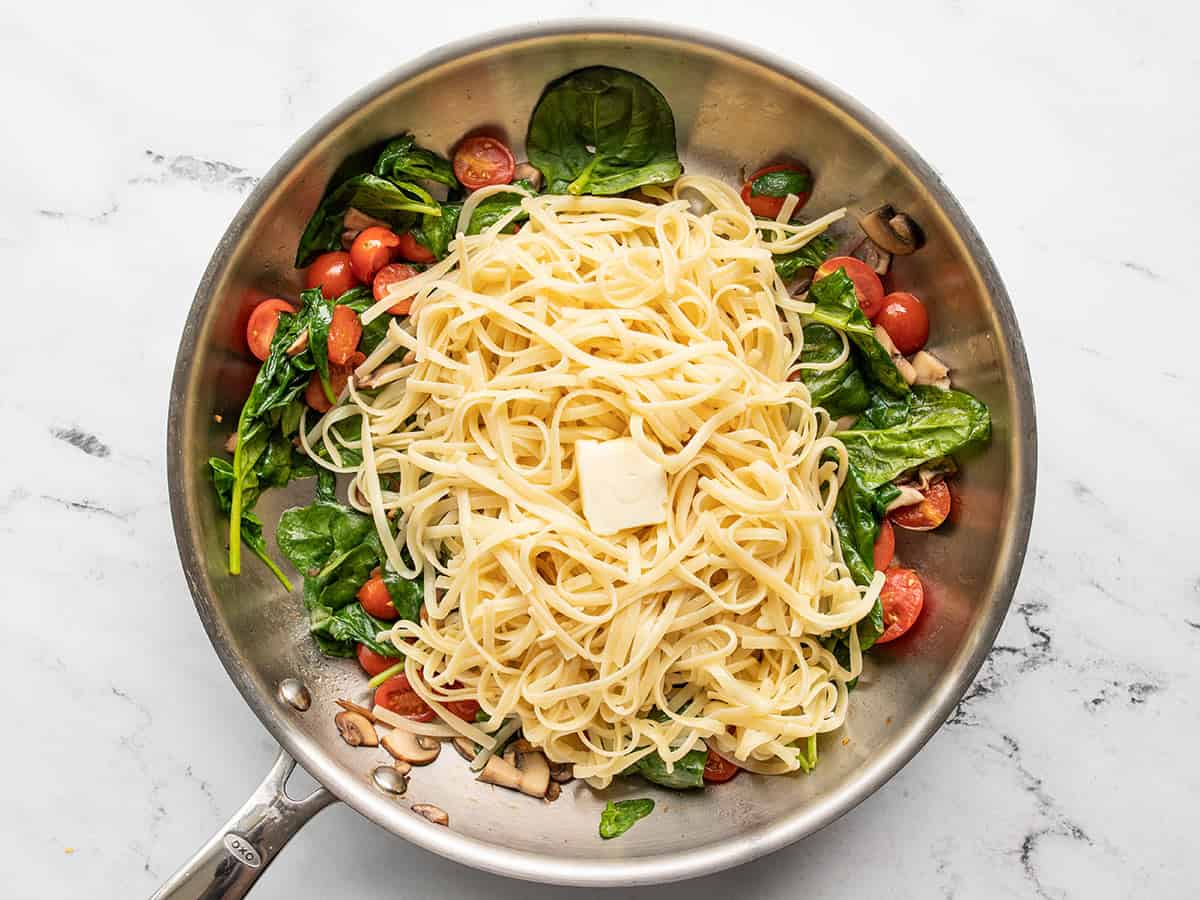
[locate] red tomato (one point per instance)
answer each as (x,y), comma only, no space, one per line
(867,286)
(902,597)
(397,695)
(464,709)
(929,513)
(344,332)
(260,330)
(885,546)
(375,598)
(314,395)
(769,207)
(371,251)
(905,320)
(480,161)
(718,770)
(389,275)
(373,663)
(414,251)
(331,272)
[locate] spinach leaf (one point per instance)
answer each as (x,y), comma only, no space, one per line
(317,315)
(353,623)
(619,816)
(406,595)
(688,772)
(884,411)
(402,159)
(842,391)
(837,306)
(436,232)
(857,516)
(936,423)
(396,203)
(602,131)
(811,255)
(780,184)
(318,538)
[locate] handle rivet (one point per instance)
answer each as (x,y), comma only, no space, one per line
(293,692)
(388,780)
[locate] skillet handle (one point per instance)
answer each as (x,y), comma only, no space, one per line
(227,866)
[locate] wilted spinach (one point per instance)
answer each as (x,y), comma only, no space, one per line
(936,423)
(842,391)
(780,184)
(602,131)
(396,202)
(337,548)
(837,306)
(402,159)
(251,530)
(857,515)
(620,815)
(688,771)
(811,255)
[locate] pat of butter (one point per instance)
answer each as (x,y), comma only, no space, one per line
(620,486)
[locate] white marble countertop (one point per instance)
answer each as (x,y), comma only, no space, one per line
(1070,136)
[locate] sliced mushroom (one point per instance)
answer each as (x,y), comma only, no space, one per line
(356,730)
(380,376)
(434,814)
(353,222)
(896,233)
(400,765)
(874,256)
(903,366)
(231,443)
(529,173)
(908,496)
(935,471)
(299,345)
(553,791)
(527,772)
(931,370)
(561,773)
(465,748)
(412,748)
(845,423)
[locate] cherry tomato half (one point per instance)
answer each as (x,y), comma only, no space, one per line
(885,546)
(344,332)
(718,770)
(480,161)
(905,320)
(464,709)
(769,207)
(314,395)
(375,599)
(867,286)
(373,663)
(331,272)
(389,275)
(902,597)
(929,513)
(260,330)
(397,695)
(414,251)
(371,251)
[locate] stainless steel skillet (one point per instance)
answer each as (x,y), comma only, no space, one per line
(735,108)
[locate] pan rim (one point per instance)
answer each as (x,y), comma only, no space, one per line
(598,872)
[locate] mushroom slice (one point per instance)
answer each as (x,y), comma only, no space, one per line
(299,345)
(434,814)
(527,172)
(553,791)
(561,773)
(526,772)
(381,376)
(412,748)
(931,370)
(908,496)
(231,443)
(874,256)
(903,366)
(356,730)
(896,233)
(465,747)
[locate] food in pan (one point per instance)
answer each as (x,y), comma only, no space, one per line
(622,450)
